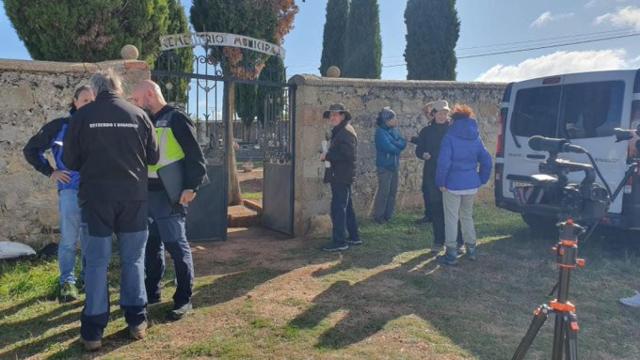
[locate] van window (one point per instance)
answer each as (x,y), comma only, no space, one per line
(536,112)
(591,110)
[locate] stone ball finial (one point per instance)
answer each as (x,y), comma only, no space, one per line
(333,72)
(129,52)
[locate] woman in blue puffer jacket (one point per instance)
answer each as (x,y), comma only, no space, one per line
(389,146)
(464,165)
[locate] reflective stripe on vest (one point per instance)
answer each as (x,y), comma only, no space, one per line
(170,150)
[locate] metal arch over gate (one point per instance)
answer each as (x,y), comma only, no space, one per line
(200,94)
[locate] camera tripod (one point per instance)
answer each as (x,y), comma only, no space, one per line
(565,335)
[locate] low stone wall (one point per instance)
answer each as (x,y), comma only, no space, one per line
(365,98)
(31,94)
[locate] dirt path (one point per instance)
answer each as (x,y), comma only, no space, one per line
(251,182)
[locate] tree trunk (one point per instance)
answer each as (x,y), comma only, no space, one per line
(229,95)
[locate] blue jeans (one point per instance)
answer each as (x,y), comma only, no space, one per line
(342,215)
(70,220)
(167,229)
(123,218)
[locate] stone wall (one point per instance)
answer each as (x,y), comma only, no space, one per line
(31,94)
(365,98)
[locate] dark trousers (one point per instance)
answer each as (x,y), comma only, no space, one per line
(428,211)
(167,230)
(429,189)
(342,215)
(438,223)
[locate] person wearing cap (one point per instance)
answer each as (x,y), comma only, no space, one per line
(428,150)
(428,142)
(389,146)
(341,174)
(464,165)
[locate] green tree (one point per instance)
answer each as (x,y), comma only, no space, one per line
(89,30)
(271,98)
(433,29)
(269,20)
(335,30)
(363,45)
(176,60)
(246,108)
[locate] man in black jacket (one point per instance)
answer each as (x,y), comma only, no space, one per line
(341,173)
(428,149)
(178,148)
(111,142)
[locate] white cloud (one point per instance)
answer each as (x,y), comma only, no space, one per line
(560,62)
(626,17)
(593,3)
(547,17)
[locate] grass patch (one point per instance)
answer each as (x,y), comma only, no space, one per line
(28,279)
(252,196)
(385,299)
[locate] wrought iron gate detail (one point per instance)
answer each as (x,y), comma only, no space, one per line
(200,94)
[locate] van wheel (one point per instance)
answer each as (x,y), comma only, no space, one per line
(543,225)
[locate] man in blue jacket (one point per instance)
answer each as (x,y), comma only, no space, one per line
(50,138)
(389,146)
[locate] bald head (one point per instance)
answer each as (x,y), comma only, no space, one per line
(147,95)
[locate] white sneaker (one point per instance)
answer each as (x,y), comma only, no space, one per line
(633,301)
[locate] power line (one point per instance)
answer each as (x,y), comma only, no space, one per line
(534,48)
(617,32)
(533,41)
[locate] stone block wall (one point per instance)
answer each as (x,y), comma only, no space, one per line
(365,98)
(31,94)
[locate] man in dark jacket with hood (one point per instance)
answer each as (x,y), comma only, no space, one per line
(111,142)
(341,174)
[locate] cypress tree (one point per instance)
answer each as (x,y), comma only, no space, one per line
(433,29)
(335,29)
(177,59)
(274,72)
(246,103)
(363,45)
(270,20)
(88,31)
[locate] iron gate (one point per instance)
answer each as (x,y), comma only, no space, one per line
(200,94)
(278,144)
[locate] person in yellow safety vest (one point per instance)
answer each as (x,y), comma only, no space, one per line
(177,143)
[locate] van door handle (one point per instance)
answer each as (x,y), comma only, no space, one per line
(536,156)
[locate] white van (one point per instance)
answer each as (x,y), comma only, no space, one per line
(582,107)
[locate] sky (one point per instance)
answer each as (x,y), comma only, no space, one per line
(486,26)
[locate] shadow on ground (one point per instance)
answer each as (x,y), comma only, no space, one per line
(493,296)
